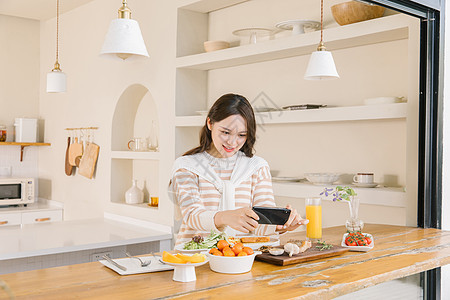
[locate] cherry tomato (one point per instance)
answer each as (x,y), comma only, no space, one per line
(350,241)
(361,242)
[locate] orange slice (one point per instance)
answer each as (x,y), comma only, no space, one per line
(170,258)
(196,258)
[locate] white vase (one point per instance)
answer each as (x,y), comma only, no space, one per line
(134,195)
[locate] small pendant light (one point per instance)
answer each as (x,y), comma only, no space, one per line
(56,79)
(321,64)
(124,37)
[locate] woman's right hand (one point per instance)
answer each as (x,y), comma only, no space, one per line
(242,219)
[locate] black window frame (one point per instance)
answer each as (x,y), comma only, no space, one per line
(429,202)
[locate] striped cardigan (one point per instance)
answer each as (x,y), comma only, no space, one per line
(199,199)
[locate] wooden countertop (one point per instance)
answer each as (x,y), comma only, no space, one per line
(398,252)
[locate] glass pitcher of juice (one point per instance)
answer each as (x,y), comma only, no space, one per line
(314,215)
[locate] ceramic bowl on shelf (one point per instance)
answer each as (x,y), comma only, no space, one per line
(215,45)
(322,178)
(231,265)
(352,12)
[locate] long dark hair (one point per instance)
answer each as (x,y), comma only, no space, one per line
(228,105)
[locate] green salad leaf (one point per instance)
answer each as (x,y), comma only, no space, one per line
(207,243)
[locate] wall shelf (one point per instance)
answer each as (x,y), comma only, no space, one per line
(331,114)
(374,31)
(135,155)
(373,196)
(23,145)
(206,6)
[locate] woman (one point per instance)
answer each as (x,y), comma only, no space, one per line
(217,183)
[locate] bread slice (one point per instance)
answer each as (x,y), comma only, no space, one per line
(255,239)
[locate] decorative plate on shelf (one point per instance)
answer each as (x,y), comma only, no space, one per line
(202,112)
(286,179)
(253,33)
(298,26)
(365,185)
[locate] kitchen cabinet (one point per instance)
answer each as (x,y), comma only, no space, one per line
(347,136)
(42,216)
(10,219)
(15,217)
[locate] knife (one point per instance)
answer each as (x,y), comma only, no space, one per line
(108,259)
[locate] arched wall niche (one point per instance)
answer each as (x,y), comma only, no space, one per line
(134,116)
(135,110)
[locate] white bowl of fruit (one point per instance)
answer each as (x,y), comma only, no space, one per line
(357,241)
(231,258)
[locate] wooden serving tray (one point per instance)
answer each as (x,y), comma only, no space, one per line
(310,254)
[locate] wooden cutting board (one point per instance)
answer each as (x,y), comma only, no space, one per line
(89,160)
(310,254)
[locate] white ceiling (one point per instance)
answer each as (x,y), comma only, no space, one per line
(37,9)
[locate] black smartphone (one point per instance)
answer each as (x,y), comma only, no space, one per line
(272,215)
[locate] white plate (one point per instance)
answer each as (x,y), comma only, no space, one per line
(134,266)
(180,247)
(365,185)
(273,242)
(287,179)
(202,112)
(358,248)
(298,26)
(252,31)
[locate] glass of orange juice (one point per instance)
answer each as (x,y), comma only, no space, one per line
(314,215)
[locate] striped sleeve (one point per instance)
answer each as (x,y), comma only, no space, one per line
(195,216)
(263,196)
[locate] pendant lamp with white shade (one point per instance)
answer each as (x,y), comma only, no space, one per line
(321,64)
(56,79)
(124,37)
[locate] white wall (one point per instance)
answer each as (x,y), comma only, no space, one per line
(19,78)
(94,86)
(19,88)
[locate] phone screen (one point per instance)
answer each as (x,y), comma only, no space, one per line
(272,215)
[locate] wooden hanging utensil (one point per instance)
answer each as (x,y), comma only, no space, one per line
(68,166)
(89,159)
(76,149)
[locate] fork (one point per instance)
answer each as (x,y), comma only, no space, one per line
(158,259)
(143,263)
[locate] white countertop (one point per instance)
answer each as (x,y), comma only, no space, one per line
(67,236)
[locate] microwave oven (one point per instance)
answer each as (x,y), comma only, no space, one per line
(16,191)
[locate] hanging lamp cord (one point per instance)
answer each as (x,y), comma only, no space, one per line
(321,46)
(321,21)
(57,30)
(57,66)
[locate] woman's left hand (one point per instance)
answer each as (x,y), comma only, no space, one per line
(293,222)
